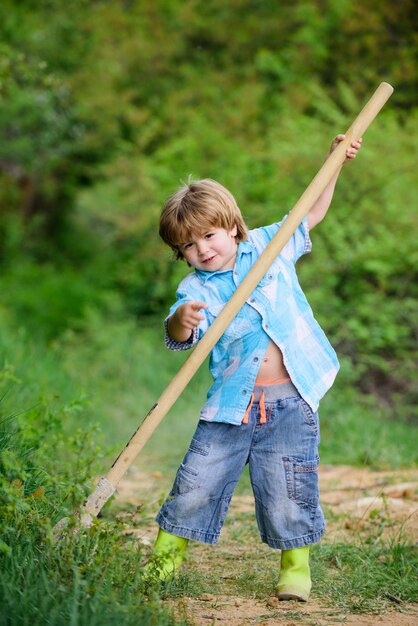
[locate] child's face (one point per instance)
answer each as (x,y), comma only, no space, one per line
(212,250)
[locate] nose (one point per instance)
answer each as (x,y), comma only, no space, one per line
(202,247)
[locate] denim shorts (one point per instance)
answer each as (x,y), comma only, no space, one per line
(281,449)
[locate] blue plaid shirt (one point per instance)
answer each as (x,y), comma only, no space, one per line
(277,310)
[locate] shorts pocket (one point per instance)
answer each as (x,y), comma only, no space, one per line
(192,461)
(310,416)
(302,481)
(198,447)
(186,478)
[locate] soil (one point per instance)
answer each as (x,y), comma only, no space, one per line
(354,499)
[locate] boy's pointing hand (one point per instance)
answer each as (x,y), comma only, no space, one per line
(185,319)
(189,315)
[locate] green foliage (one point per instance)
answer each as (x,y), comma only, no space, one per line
(92,577)
(35,127)
(362,429)
(105,107)
(41,141)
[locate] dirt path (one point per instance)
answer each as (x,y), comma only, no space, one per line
(355,500)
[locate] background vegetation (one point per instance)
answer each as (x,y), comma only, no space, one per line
(104,107)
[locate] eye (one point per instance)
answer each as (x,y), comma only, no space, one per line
(187,246)
(209,235)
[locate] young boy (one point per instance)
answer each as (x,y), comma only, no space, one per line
(270,369)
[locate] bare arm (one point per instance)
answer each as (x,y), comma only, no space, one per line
(185,319)
(321,206)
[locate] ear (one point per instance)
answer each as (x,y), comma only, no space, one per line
(233,232)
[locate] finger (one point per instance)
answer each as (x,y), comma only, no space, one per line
(196,306)
(335,142)
(192,322)
(195,315)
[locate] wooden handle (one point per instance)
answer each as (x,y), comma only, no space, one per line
(247,286)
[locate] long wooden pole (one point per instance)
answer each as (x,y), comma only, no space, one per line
(107,485)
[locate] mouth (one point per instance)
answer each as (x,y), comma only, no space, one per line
(209,260)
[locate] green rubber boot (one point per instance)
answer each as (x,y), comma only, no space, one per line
(295,575)
(168,554)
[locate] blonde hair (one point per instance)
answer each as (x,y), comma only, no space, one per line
(195,208)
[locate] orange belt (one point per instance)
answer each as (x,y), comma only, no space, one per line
(263,418)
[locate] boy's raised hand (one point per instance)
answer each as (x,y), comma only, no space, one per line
(321,206)
(351,152)
(185,319)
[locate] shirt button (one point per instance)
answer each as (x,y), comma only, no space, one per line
(244,392)
(252,300)
(255,359)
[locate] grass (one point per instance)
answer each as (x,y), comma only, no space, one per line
(110,374)
(90,580)
(38,586)
(364,577)
(367,577)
